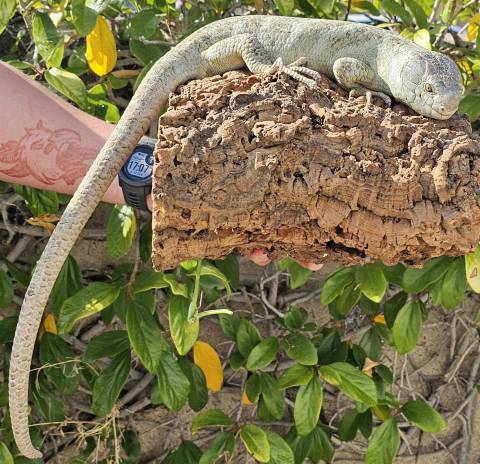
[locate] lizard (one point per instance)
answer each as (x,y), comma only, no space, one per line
(362,59)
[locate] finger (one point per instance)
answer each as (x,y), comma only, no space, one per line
(259,257)
(310,266)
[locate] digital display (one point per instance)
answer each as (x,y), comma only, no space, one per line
(140,165)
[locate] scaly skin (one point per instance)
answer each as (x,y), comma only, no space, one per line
(362,58)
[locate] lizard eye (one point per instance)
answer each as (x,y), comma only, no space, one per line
(428,88)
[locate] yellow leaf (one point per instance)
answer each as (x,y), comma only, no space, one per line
(49,324)
(245,399)
(45,221)
(473,24)
(368,366)
(380,319)
(101,48)
(207,359)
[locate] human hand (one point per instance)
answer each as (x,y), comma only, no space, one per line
(259,257)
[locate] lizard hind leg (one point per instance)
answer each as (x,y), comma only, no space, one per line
(297,70)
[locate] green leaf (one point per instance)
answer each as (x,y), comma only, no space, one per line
(224,443)
(371,281)
(321,448)
(230,268)
(295,376)
(418,12)
(47,39)
(146,241)
(347,429)
(422,38)
(308,404)
(336,283)
(121,229)
(144,24)
(90,300)
(145,336)
(298,274)
(7,9)
(371,343)
(198,395)
(253,387)
(280,452)
(65,374)
(68,282)
(295,318)
(285,7)
(423,416)
(177,288)
(147,280)
(365,423)
(394,8)
(417,280)
(5,455)
(83,16)
(38,201)
(130,443)
(187,453)
(47,403)
(472,268)
(342,305)
(470,105)
(68,84)
(301,349)
(407,327)
(209,270)
(109,384)
(7,329)
(393,306)
(263,354)
(211,418)
(183,331)
(454,284)
(272,396)
(6,289)
(21,277)
(351,381)
(384,444)
(229,324)
(172,387)
(106,344)
(248,337)
(256,442)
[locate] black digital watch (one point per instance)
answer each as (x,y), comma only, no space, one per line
(135,177)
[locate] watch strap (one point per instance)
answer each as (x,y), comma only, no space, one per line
(136,196)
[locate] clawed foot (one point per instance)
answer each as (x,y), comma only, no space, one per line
(298,71)
(359,91)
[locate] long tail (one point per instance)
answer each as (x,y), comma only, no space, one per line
(171,70)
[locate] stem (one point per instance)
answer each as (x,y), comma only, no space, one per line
(213,312)
(193,308)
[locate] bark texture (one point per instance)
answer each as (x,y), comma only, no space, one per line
(245,162)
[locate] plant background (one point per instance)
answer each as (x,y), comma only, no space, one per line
(114,387)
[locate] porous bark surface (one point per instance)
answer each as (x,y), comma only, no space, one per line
(245,162)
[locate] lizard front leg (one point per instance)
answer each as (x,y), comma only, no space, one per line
(357,76)
(244,49)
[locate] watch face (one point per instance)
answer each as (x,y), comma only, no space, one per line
(139,165)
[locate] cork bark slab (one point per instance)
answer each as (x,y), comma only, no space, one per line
(245,162)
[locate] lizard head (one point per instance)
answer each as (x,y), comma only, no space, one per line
(430,83)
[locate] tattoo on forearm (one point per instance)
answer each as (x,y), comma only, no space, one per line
(47,155)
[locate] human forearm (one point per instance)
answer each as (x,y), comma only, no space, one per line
(44,141)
